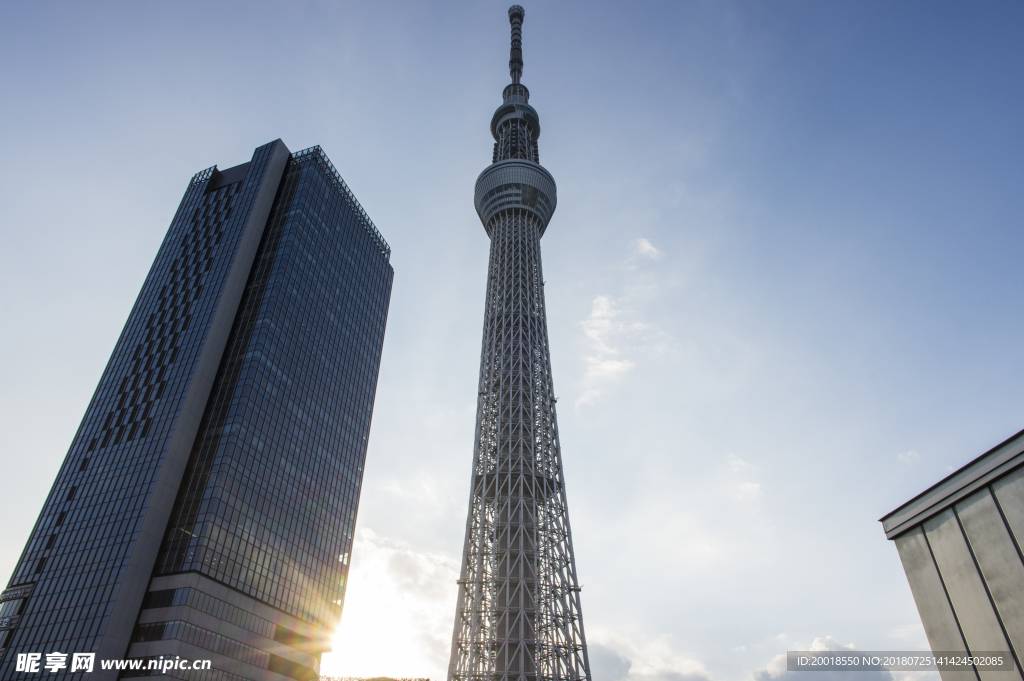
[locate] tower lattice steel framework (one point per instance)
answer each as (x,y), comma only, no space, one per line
(518,615)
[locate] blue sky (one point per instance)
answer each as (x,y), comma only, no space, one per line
(782,281)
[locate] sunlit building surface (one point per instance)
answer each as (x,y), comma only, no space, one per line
(518,614)
(962,547)
(206,508)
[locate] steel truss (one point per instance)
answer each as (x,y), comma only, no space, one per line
(518,616)
(516,140)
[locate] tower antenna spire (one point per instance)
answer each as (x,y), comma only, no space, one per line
(515,62)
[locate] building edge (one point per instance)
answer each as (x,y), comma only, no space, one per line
(961,544)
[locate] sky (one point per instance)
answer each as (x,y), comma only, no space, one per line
(782,282)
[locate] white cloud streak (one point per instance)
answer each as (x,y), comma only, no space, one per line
(645,249)
(617,657)
(908,458)
(605,358)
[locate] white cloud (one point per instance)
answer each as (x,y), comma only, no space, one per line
(736,464)
(606,365)
(607,663)
(395,593)
(421,488)
(776,667)
(645,249)
(617,657)
(830,643)
(747,491)
(908,457)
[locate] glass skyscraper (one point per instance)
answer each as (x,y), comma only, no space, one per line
(206,507)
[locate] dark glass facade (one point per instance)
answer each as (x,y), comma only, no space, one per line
(290,410)
(220,460)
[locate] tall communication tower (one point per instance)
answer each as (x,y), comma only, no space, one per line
(518,616)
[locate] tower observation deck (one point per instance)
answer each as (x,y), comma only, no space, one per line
(518,615)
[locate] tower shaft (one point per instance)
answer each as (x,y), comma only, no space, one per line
(518,615)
